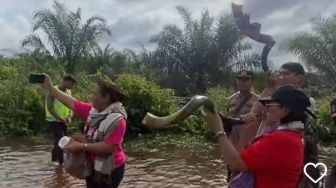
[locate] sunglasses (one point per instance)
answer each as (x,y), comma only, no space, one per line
(273,104)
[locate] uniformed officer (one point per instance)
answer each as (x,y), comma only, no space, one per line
(241,102)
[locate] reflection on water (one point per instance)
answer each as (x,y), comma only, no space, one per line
(30,166)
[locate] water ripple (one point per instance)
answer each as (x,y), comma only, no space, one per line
(25,166)
(28,166)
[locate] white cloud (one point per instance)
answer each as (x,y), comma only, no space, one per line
(133,21)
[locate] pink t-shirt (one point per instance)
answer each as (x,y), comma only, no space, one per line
(83,109)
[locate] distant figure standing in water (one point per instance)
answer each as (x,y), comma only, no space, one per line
(104,130)
(59,116)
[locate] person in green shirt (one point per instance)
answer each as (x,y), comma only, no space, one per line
(59,117)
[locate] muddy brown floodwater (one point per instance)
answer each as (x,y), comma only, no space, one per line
(24,165)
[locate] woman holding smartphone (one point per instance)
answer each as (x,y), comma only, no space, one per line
(105,152)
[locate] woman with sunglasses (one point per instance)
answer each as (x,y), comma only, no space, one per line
(274,159)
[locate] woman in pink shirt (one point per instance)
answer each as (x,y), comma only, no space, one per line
(104,110)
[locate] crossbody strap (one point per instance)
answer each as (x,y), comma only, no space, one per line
(242,103)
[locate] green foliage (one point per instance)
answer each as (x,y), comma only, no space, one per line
(146,96)
(143,96)
(220,97)
(20,103)
(325,124)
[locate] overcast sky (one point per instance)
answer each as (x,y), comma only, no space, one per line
(133,21)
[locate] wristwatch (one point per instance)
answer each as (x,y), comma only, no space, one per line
(220,133)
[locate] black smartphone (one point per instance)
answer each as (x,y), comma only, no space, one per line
(36,78)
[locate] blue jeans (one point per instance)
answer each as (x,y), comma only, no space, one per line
(116,177)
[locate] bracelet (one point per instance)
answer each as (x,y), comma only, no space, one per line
(220,133)
(85,146)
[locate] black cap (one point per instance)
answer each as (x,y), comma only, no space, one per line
(69,78)
(294,67)
(291,97)
(245,74)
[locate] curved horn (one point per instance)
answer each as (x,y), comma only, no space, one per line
(153,122)
(252,30)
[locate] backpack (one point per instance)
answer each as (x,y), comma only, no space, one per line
(311,141)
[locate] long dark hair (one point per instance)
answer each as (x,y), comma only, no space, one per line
(295,115)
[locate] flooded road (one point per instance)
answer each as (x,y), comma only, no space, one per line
(26,166)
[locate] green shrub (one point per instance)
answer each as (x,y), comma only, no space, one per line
(20,103)
(324,122)
(220,97)
(146,96)
(143,96)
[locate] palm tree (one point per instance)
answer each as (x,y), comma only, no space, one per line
(68,37)
(317,49)
(99,58)
(109,61)
(201,52)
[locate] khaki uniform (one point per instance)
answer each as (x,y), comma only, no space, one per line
(233,102)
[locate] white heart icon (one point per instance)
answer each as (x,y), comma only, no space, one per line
(315,166)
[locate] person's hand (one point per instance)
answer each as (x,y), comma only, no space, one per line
(272,80)
(250,121)
(73,146)
(213,120)
(64,121)
(248,118)
(47,84)
(81,138)
(68,120)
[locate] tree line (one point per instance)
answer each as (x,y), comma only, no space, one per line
(192,59)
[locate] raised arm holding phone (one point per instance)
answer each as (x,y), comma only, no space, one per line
(105,126)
